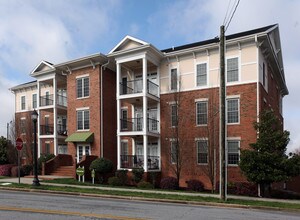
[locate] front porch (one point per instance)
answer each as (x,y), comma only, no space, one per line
(137,161)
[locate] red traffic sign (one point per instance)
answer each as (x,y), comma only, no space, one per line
(19,144)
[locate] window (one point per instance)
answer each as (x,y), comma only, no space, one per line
(23,126)
(34,100)
(202,74)
(124,120)
(174,151)
(233,110)
(124,151)
(173,79)
(47,98)
(202,151)
(233,152)
(174,115)
(233,70)
(83,120)
(201,113)
(82,150)
(23,103)
(83,85)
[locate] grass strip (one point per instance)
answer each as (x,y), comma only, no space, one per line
(179,198)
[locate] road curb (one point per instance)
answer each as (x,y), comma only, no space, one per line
(133,198)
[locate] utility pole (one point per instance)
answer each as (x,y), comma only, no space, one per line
(223,184)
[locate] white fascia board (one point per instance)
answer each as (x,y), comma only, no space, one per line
(126,38)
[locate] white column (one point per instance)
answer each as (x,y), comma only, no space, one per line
(55,115)
(159,153)
(145,145)
(145,124)
(118,117)
(158,80)
(118,152)
(38,119)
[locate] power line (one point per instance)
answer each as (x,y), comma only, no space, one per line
(226,13)
(232,15)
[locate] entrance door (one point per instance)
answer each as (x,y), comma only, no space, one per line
(82,149)
(152,119)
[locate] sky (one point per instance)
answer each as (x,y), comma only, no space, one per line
(57,31)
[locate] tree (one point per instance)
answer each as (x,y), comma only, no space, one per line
(3,150)
(266,162)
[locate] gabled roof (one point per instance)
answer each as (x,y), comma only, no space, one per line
(125,41)
(24,85)
(43,65)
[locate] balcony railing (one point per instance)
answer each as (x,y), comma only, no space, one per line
(152,88)
(136,124)
(136,86)
(49,129)
(46,129)
(46,100)
(62,130)
(62,100)
(137,161)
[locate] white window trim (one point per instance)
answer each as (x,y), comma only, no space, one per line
(239,109)
(172,140)
(171,106)
(201,139)
(239,151)
(239,70)
(80,77)
(170,77)
(201,125)
(83,109)
(83,151)
(32,100)
(21,103)
(207,75)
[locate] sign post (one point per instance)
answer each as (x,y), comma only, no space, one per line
(80,172)
(19,146)
(93,173)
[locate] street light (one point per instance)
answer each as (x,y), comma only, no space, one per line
(35,182)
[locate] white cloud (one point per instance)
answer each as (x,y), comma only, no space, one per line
(194,20)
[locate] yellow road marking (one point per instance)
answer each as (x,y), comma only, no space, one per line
(59,212)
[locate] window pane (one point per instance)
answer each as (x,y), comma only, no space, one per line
(23,103)
(86,119)
(87,150)
(80,120)
(124,120)
(79,88)
(233,111)
(173,152)
(174,120)
(232,70)
(86,86)
(201,74)
(201,113)
(202,149)
(233,152)
(173,79)
(34,101)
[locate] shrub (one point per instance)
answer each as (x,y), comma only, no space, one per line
(114,181)
(102,166)
(15,170)
(27,169)
(145,185)
(242,188)
(195,185)
(137,174)
(169,183)
(122,175)
(5,170)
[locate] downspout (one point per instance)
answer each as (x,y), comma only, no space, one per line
(101,108)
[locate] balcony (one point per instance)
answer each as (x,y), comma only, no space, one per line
(49,129)
(48,100)
(46,129)
(136,124)
(137,161)
(136,86)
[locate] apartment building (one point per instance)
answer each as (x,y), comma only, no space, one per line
(158,109)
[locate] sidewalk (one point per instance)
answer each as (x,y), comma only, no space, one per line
(27,180)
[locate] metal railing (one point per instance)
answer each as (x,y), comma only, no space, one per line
(136,86)
(62,129)
(46,100)
(132,124)
(137,161)
(153,125)
(62,100)
(46,129)
(152,88)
